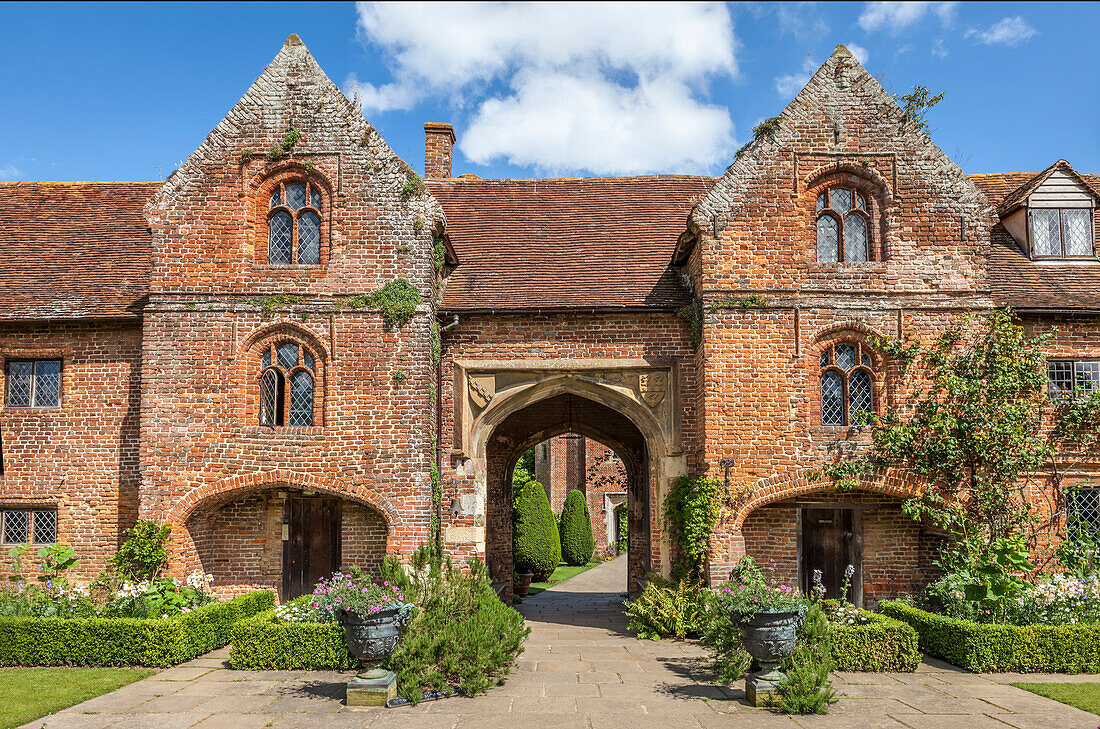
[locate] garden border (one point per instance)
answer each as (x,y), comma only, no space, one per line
(158,643)
(980,647)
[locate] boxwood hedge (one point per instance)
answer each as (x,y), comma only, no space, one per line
(261,643)
(884,644)
(30,641)
(1023,648)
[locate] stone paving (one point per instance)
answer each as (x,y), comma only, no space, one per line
(581,670)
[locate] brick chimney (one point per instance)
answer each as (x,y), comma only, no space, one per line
(439,142)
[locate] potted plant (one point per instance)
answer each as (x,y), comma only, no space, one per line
(372,616)
(768,614)
(521,582)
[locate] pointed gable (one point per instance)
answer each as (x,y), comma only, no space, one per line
(1060,183)
(930,224)
(293,120)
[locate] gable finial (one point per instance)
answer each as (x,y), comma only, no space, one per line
(292,40)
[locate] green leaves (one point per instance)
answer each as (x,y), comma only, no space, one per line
(145,552)
(691,511)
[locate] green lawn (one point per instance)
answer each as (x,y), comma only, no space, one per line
(1082,695)
(561,574)
(29,693)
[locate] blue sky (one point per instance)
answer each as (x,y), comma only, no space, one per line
(125,92)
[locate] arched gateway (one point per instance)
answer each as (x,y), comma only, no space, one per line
(513,406)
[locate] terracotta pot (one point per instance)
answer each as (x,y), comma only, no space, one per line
(522,583)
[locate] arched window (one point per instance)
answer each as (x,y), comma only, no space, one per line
(294,224)
(279,364)
(847,387)
(843,226)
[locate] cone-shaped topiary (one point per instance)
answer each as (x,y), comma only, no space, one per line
(577,543)
(535,543)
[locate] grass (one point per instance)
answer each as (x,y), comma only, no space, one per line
(1082,695)
(561,574)
(27,694)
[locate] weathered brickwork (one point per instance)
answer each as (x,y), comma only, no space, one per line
(161,399)
(82,457)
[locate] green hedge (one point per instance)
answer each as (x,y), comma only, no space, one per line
(260,643)
(884,644)
(1024,648)
(28,641)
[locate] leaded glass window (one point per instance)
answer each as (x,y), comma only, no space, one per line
(294,224)
(34,526)
(34,383)
(1061,233)
(843,226)
(847,384)
(287,383)
(1083,514)
(1073,377)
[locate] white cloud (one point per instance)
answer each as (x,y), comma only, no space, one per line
(859,52)
(939,48)
(645,64)
(801,20)
(560,121)
(788,86)
(1006,31)
(10,172)
(897,16)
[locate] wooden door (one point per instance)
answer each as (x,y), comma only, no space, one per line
(312,548)
(829,543)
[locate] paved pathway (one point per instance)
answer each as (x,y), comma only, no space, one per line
(581,670)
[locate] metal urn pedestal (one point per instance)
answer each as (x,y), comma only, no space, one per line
(371,638)
(769,637)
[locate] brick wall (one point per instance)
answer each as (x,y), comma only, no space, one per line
(82,457)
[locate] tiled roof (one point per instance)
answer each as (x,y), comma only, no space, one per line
(1018,281)
(74,249)
(582,243)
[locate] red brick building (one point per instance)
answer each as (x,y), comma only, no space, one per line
(234,351)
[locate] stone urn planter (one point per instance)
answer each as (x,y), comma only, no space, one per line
(371,638)
(769,637)
(522,583)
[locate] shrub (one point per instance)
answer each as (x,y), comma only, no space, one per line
(265,642)
(691,511)
(667,609)
(577,542)
(461,634)
(983,647)
(142,555)
(878,644)
(806,688)
(729,659)
(32,641)
(536,546)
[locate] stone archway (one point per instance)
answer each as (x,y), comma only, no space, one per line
(632,407)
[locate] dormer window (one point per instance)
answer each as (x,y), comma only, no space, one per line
(1061,232)
(294,224)
(843,226)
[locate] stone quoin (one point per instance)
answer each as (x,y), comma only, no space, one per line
(275,348)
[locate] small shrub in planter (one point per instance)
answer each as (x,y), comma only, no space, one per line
(536,545)
(577,542)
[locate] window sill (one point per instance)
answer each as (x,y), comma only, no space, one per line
(290,267)
(868,266)
(11,409)
(277,430)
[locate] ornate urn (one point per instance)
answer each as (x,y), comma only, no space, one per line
(769,637)
(371,638)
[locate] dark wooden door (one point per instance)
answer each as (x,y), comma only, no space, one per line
(829,544)
(312,548)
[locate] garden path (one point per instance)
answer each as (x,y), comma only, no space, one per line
(580,670)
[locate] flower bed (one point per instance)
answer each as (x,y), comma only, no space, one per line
(864,641)
(987,647)
(98,641)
